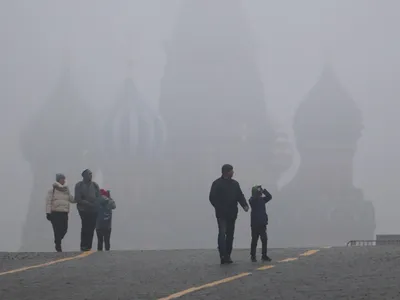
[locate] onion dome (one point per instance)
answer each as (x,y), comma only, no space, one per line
(133,129)
(62,131)
(328,117)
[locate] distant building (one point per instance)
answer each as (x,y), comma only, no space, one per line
(213,103)
(59,139)
(132,145)
(321,205)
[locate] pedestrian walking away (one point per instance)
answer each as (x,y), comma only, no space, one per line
(225,194)
(104,219)
(259,221)
(87,194)
(57,209)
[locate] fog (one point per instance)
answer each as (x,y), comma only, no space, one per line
(221,81)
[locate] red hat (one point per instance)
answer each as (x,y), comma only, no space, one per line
(103,192)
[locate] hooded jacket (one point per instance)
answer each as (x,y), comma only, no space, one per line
(105,206)
(86,196)
(58,198)
(259,216)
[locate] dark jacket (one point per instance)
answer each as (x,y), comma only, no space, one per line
(225,194)
(259,215)
(104,212)
(86,196)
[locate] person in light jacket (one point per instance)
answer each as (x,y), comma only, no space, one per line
(57,209)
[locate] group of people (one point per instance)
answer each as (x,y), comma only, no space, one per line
(94,205)
(225,195)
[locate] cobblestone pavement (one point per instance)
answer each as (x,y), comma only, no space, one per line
(335,273)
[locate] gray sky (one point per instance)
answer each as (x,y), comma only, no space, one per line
(293,38)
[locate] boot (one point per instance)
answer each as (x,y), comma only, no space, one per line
(265,258)
(228,260)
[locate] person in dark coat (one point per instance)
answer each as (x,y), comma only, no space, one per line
(104,219)
(87,194)
(225,194)
(259,221)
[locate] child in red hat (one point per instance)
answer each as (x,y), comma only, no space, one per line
(104,220)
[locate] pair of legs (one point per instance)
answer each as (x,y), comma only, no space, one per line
(59,221)
(103,236)
(87,231)
(226,231)
(256,233)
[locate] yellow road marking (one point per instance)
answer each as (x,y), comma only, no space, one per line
(208,285)
(309,252)
(288,259)
(228,279)
(82,255)
(265,267)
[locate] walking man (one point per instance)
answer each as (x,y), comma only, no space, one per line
(87,194)
(225,194)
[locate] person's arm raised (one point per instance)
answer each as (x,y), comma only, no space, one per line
(268,196)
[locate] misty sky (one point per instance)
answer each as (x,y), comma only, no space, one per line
(293,38)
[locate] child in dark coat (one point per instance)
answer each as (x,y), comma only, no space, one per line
(104,220)
(259,220)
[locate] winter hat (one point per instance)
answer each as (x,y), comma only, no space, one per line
(59,177)
(85,172)
(256,190)
(103,192)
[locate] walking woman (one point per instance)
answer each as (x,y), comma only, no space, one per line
(57,209)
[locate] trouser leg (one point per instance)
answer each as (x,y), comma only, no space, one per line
(264,240)
(92,218)
(100,239)
(222,227)
(230,232)
(254,241)
(63,224)
(56,229)
(84,227)
(107,238)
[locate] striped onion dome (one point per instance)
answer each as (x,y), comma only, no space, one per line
(133,130)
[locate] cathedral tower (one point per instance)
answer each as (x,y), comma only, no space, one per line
(59,139)
(213,103)
(321,203)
